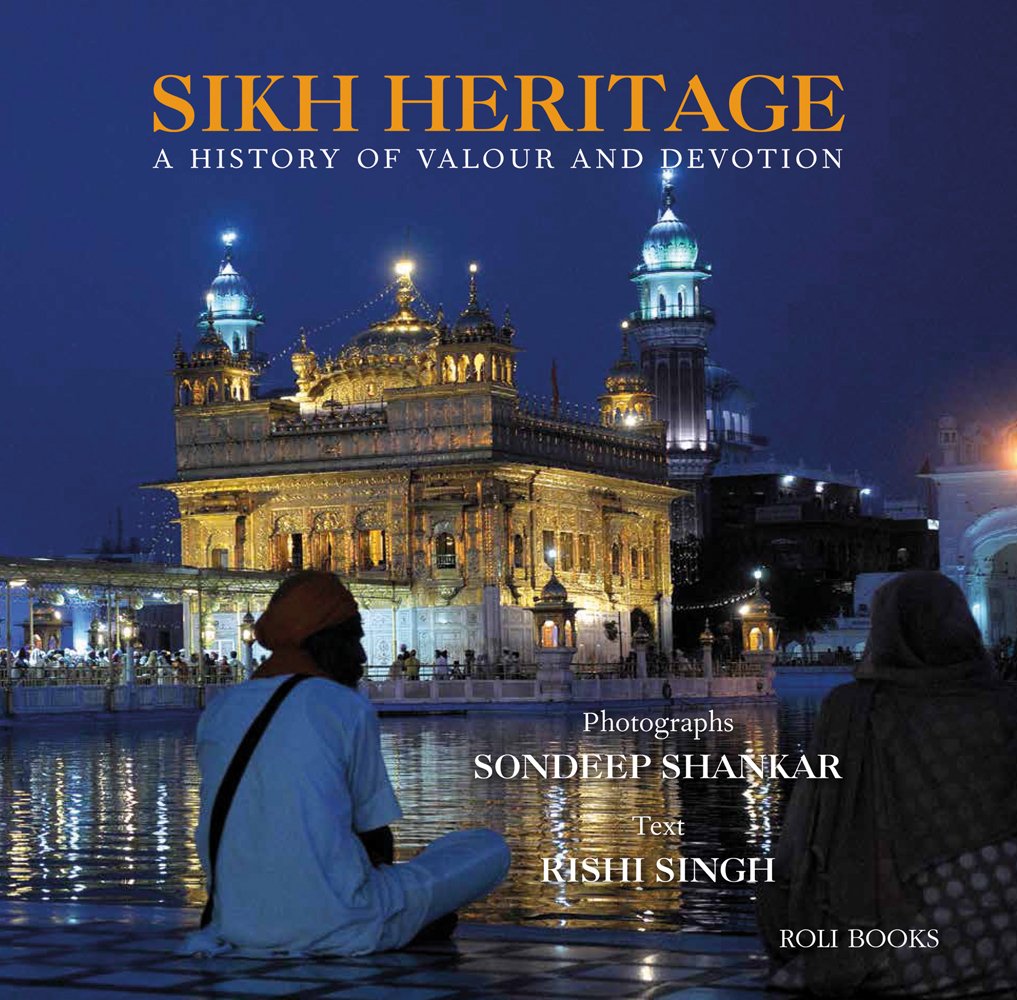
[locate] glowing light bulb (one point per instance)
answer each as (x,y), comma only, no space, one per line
(208,301)
(404,268)
(757,574)
(625,324)
(668,174)
(229,237)
(473,269)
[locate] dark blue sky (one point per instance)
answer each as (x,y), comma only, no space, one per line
(857,304)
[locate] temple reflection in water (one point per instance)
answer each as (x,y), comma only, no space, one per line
(104,809)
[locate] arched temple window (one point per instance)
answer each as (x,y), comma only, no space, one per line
(371,551)
(212,391)
(479,367)
(661,305)
(448,369)
(549,635)
(634,561)
(566,551)
(186,396)
(326,549)
(518,557)
(288,551)
(615,560)
(444,551)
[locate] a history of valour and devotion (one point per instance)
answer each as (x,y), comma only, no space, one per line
(509,500)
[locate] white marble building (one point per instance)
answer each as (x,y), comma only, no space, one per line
(976,504)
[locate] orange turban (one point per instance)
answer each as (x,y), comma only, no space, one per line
(304,604)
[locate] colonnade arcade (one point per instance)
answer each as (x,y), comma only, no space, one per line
(105,600)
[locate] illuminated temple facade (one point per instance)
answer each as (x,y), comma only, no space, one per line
(409,464)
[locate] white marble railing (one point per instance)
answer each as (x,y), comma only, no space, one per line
(33,699)
(404,694)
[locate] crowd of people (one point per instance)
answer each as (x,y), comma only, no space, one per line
(109,666)
(164,666)
(407,666)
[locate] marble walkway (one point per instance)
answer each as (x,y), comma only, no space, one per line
(84,952)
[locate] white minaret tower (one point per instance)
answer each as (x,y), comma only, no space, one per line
(671,328)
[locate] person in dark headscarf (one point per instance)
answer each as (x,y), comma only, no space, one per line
(920,833)
(304,863)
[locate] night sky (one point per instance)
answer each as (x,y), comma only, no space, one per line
(857,305)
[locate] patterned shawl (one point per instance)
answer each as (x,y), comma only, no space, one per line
(927,740)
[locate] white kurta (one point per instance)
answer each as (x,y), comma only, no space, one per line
(292,875)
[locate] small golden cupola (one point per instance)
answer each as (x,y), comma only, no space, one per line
(212,374)
(476,348)
(628,403)
(759,624)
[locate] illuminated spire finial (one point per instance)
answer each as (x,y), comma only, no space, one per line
(405,292)
(473,285)
(210,316)
(229,237)
(667,189)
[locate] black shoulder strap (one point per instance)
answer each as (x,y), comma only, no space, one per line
(231,781)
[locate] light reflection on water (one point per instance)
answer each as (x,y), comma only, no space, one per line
(102,809)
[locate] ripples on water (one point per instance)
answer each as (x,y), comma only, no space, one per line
(102,809)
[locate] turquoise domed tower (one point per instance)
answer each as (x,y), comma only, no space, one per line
(671,327)
(231,302)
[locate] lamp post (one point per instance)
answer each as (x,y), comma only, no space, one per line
(208,634)
(128,630)
(247,638)
(554,619)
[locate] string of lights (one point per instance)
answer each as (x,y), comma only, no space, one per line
(159,532)
(715,604)
(430,313)
(310,331)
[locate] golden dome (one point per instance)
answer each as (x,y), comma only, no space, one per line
(394,353)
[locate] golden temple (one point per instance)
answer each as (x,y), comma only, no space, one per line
(410,464)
